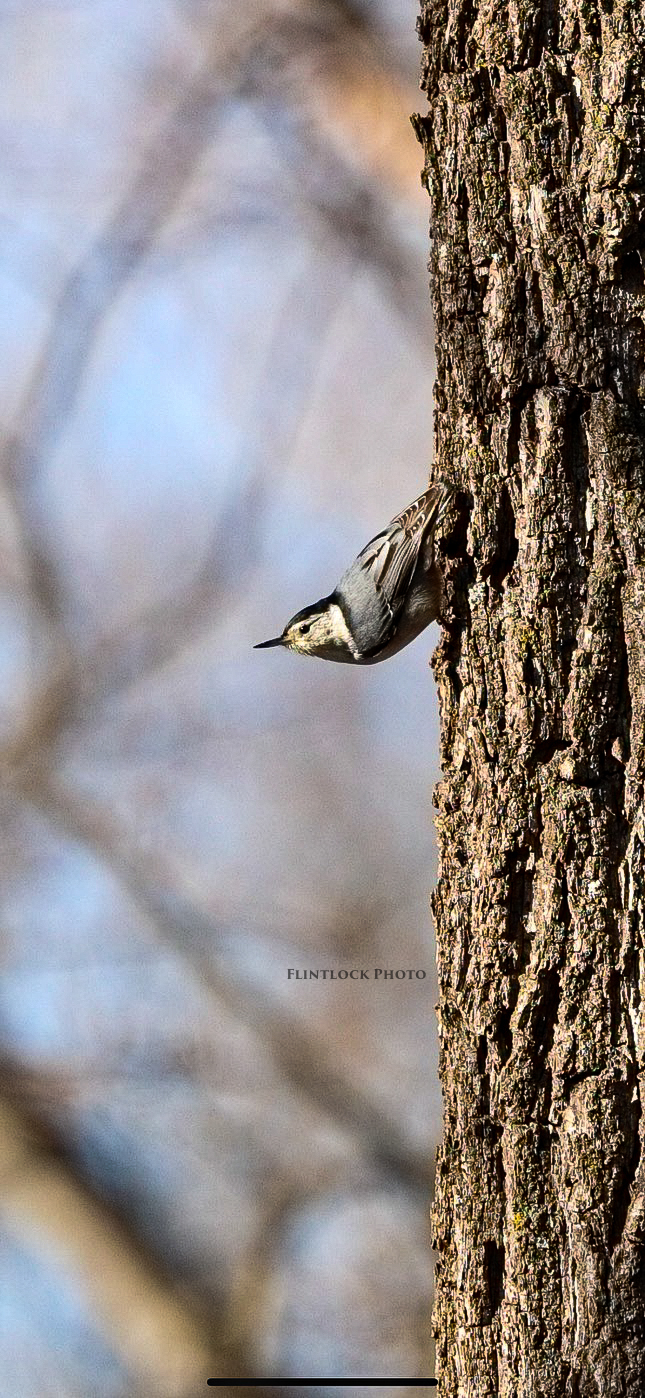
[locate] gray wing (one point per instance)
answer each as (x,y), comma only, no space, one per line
(374,589)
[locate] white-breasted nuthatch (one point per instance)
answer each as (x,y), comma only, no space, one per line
(390,593)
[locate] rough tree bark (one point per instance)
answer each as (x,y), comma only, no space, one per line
(535,149)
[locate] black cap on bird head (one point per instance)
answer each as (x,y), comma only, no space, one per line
(315,609)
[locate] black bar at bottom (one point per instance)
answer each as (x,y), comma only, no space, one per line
(329,1383)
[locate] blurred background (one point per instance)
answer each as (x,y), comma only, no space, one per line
(215,386)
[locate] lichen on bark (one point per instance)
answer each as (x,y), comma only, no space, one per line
(535,166)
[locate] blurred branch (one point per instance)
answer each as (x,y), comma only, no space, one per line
(279,60)
(303,1060)
(289,78)
(168,164)
(170,1347)
(169,628)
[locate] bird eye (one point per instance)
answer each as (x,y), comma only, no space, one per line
(305,627)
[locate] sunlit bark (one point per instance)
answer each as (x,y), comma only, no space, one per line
(534,150)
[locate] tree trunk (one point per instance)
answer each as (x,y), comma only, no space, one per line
(534,150)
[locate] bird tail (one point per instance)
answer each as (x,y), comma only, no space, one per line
(445,493)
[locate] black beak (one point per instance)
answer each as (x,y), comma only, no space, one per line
(262,645)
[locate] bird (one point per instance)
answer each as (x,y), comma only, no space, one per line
(387,596)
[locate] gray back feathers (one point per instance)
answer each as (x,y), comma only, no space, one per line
(373,590)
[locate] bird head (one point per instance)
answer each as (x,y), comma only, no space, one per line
(319,629)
